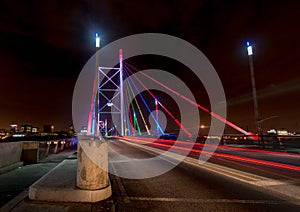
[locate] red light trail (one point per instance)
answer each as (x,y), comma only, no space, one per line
(221,155)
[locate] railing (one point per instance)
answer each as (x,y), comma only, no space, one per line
(14,154)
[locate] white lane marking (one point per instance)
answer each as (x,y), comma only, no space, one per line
(269,182)
(190,200)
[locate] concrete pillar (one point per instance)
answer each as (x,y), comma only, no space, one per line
(92,164)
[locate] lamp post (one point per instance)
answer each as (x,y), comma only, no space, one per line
(257,120)
(92,177)
(97,115)
(93,125)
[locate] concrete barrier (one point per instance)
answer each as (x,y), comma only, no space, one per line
(30,153)
(13,154)
(10,155)
(44,147)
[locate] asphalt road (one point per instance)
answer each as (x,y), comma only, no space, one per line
(184,188)
(272,164)
(272,170)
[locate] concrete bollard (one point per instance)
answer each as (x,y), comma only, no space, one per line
(62,143)
(67,143)
(56,147)
(92,164)
(48,148)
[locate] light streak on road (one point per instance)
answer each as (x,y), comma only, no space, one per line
(215,154)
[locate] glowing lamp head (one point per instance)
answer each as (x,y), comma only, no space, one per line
(109,103)
(156,102)
(249,48)
(97,40)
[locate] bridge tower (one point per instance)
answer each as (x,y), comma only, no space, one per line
(110,97)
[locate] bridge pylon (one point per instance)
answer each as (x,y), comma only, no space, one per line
(110,97)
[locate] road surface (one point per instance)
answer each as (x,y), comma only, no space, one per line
(187,187)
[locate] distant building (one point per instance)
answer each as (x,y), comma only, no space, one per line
(279,132)
(3,133)
(282,132)
(71,130)
(25,128)
(34,129)
(13,129)
(48,128)
(28,130)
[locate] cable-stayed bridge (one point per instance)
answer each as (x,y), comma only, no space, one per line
(119,107)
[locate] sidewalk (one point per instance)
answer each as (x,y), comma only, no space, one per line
(22,202)
(17,180)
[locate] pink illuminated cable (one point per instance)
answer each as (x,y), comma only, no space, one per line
(197,105)
(165,109)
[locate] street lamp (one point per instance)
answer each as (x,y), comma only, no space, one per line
(93,125)
(95,89)
(250,55)
(97,40)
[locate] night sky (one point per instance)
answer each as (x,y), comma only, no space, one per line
(45,44)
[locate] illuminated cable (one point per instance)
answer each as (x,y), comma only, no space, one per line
(142,116)
(145,103)
(195,103)
(165,109)
(135,122)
